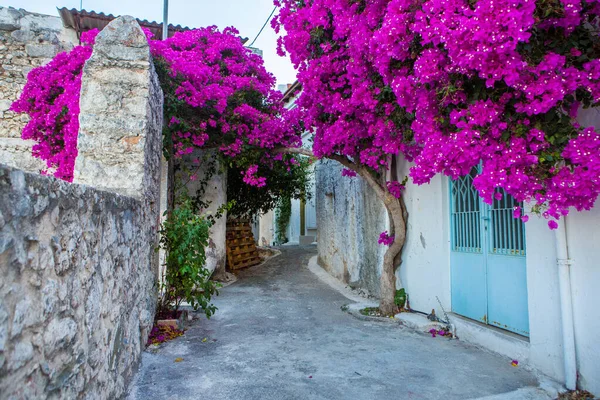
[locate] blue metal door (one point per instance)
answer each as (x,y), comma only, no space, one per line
(488,268)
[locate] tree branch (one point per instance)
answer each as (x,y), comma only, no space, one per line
(363,171)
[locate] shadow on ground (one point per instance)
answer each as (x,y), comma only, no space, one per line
(279,334)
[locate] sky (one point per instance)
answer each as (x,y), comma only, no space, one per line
(247,16)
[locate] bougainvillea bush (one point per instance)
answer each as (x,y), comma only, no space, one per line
(51,99)
(450,85)
(218,95)
(454,83)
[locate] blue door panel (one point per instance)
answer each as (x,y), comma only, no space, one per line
(468,285)
(488,265)
(507,293)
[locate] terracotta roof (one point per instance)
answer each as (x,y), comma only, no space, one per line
(82,20)
(289,94)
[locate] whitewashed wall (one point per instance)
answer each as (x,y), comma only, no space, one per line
(216,195)
(350,218)
(583,236)
(266,228)
(425,270)
(293,229)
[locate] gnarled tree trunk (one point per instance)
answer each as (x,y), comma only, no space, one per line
(398,216)
(391,260)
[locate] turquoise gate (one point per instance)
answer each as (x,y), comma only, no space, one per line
(488,268)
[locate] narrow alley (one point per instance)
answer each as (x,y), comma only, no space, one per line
(279,333)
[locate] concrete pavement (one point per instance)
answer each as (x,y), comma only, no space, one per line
(279,333)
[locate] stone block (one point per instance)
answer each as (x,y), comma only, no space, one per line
(23,35)
(26,315)
(5,105)
(41,50)
(59,334)
(22,353)
(3,328)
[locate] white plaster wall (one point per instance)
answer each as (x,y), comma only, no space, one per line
(425,271)
(350,218)
(266,228)
(545,339)
(216,195)
(293,229)
(583,235)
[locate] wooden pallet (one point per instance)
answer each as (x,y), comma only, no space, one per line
(241,248)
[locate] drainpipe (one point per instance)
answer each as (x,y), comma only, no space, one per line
(566,305)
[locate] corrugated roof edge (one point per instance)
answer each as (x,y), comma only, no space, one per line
(72,19)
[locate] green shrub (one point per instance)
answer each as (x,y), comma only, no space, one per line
(184,237)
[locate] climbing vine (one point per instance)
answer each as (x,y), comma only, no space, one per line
(283,213)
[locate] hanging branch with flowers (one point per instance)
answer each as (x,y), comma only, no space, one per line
(219,96)
(51,99)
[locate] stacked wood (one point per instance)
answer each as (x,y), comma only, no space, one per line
(241,248)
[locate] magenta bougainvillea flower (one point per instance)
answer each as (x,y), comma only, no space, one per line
(348,172)
(211,72)
(385,238)
(251,179)
(395,188)
(452,85)
(51,98)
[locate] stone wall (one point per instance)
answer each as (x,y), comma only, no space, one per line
(121,102)
(27,40)
(350,218)
(78,264)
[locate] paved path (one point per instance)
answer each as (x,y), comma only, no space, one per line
(280,334)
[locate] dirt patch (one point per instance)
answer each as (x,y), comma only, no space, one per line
(576,395)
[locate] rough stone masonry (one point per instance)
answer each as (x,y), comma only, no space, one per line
(78,264)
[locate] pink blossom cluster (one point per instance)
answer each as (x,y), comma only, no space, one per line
(222,97)
(51,99)
(395,188)
(348,172)
(228,98)
(251,179)
(385,238)
(454,84)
